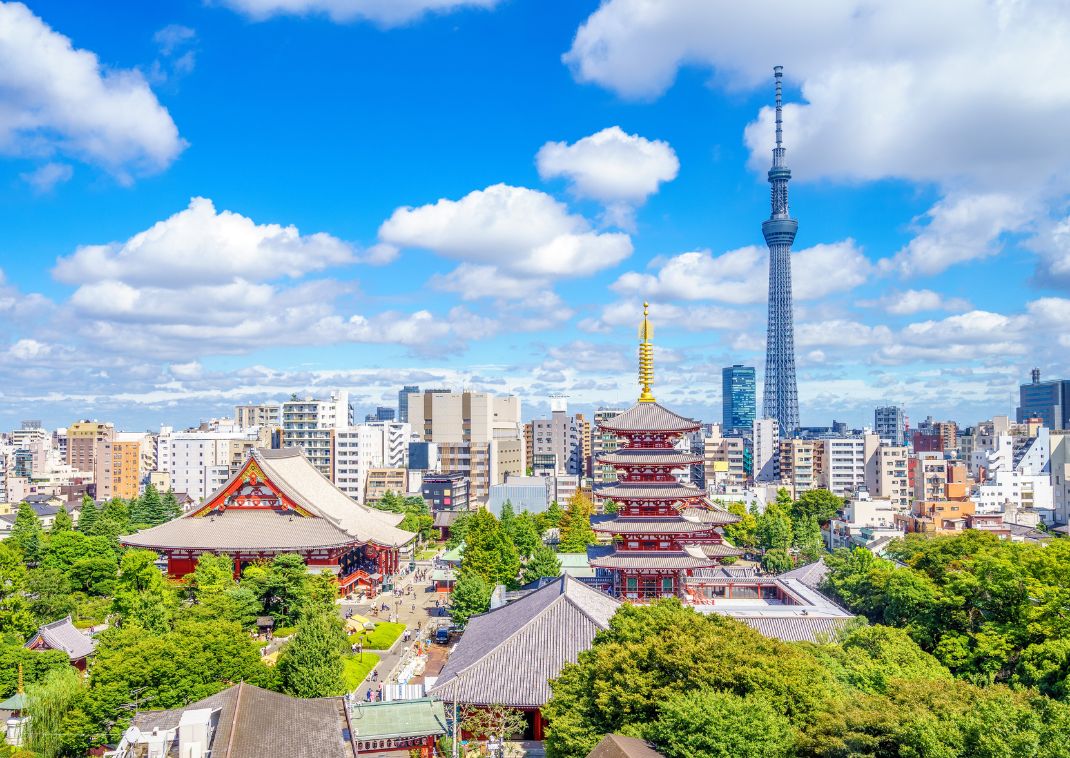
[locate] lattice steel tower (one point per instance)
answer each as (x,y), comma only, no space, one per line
(781,400)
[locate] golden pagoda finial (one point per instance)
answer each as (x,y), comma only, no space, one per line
(20,688)
(646,357)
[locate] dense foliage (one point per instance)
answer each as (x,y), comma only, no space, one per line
(711,686)
(418,517)
(988,609)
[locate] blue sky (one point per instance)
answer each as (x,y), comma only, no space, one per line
(210,203)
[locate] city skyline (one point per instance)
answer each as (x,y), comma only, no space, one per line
(261,203)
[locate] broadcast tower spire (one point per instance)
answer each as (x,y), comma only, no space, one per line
(781,399)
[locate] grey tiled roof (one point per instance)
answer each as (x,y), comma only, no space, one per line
(508,655)
(797,628)
(656,457)
(654,559)
(63,635)
(720,550)
(336,519)
(649,417)
(652,490)
(812,574)
(709,515)
(256,723)
(658,525)
(239,529)
(619,746)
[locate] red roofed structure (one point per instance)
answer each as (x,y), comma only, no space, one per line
(280,503)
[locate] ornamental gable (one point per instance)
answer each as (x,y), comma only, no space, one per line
(251,489)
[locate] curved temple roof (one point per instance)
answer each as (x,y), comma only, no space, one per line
(649,417)
(335,519)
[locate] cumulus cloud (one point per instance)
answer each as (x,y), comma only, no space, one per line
(618,169)
(959,228)
(916,301)
(59,99)
(200,245)
(699,318)
(741,276)
(517,229)
(383,12)
(956,102)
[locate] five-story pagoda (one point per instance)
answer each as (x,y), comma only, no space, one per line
(663,530)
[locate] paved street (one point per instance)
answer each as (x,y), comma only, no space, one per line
(414,610)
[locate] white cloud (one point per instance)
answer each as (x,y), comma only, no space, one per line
(961,227)
(473,282)
(699,318)
(58,99)
(741,276)
(384,12)
(174,37)
(958,101)
(840,333)
(176,56)
(517,229)
(619,169)
(199,245)
(916,301)
(45,178)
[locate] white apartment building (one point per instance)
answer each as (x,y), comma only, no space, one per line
(766,457)
(864,521)
(310,425)
(844,462)
(264,414)
(888,476)
(199,463)
(363,447)
(1025,484)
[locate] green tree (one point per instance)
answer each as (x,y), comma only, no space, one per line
(142,595)
(62,522)
(15,617)
(48,704)
(808,540)
(576,530)
(113,520)
(820,504)
(35,665)
(507,518)
(551,517)
(774,536)
(171,507)
(721,725)
(150,508)
(610,506)
(48,592)
(459,530)
(213,574)
(743,533)
(525,535)
(87,516)
(311,664)
(498,721)
(543,563)
(470,597)
(27,534)
(280,585)
(489,552)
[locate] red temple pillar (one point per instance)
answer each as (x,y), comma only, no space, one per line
(538,724)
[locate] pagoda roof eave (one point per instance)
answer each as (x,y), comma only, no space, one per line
(649,417)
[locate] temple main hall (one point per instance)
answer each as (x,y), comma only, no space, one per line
(279,503)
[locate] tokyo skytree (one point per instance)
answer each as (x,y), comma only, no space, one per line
(781,399)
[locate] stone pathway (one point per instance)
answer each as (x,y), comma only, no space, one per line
(422,598)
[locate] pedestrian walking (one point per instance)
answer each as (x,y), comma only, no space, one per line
(368,697)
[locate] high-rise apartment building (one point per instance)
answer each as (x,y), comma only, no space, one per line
(403,401)
(603,442)
(89,446)
(723,460)
(765,460)
(843,463)
(929,474)
(264,414)
(478,434)
(800,460)
(935,436)
(890,424)
(1049,401)
(311,424)
(558,438)
(737,398)
(199,463)
(132,458)
(890,478)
